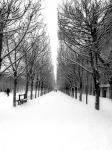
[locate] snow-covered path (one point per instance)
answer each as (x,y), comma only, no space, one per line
(55,122)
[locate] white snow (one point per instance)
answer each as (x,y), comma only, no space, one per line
(55,121)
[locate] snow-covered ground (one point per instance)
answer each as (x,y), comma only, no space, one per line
(55,121)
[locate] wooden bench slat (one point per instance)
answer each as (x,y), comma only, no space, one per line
(21,100)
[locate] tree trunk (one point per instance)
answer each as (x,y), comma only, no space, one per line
(31,96)
(1,44)
(97,103)
(80,95)
(86,94)
(26,88)
(86,88)
(36,86)
(80,84)
(41,90)
(15,89)
(110,90)
(35,91)
(72,92)
(96,77)
(75,92)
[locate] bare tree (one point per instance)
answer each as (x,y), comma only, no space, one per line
(14,43)
(11,13)
(80,25)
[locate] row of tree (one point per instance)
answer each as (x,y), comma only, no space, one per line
(85,53)
(24,46)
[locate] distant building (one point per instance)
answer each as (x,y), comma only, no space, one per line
(105,90)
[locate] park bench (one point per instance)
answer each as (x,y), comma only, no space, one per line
(22,99)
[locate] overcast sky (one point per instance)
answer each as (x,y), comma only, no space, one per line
(50,13)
